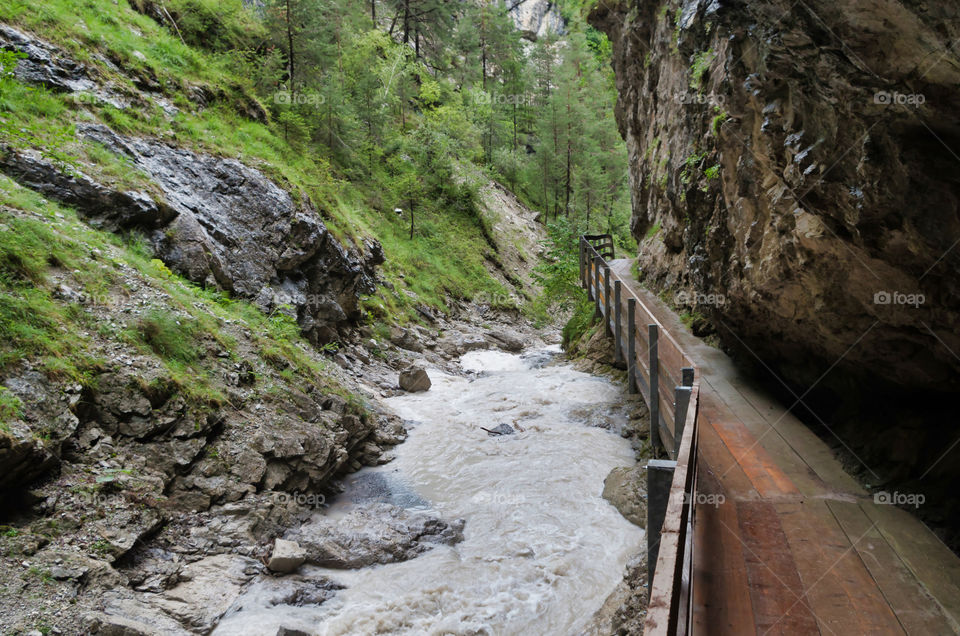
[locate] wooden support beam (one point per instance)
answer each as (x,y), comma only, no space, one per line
(618,327)
(596,285)
(632,346)
(681,402)
(606,300)
(654,366)
(659,481)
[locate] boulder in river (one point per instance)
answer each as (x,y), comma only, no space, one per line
(414,379)
(287,556)
(506,340)
(380,533)
(626,489)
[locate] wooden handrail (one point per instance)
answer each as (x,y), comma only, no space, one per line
(669,609)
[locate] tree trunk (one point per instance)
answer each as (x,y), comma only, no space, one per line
(290,46)
(411,219)
(406,21)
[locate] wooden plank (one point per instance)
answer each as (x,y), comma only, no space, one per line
(808,447)
(758,466)
(721,596)
(927,558)
(715,458)
(839,590)
(779,606)
(913,606)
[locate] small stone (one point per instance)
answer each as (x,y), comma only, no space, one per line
(287,556)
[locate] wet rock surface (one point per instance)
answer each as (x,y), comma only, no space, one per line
(372,534)
(782,184)
(625,488)
(414,380)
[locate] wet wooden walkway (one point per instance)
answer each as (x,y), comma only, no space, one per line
(785,541)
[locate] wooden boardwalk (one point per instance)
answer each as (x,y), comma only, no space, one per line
(796,546)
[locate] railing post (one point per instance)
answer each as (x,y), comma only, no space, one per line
(686,376)
(606,299)
(618,330)
(654,405)
(681,401)
(582,277)
(632,345)
(596,285)
(659,480)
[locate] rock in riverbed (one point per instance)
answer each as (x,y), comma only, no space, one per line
(287,556)
(380,533)
(626,489)
(414,380)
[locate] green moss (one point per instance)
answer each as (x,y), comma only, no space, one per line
(701,63)
(718,119)
(653,231)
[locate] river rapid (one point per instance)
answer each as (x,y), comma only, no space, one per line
(541,550)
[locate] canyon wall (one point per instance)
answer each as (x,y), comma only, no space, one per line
(794,176)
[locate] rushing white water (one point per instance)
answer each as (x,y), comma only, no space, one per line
(541,549)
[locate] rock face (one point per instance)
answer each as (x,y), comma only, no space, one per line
(414,380)
(793,178)
(536,18)
(44,65)
(799,164)
(219,223)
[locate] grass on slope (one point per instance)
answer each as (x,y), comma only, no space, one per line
(60,335)
(445,258)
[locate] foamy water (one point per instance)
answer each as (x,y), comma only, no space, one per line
(541,550)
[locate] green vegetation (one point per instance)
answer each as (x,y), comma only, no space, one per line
(701,64)
(653,231)
(361,116)
(579,323)
(42,243)
(719,117)
(11,408)
(168,337)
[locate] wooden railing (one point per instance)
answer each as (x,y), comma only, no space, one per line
(655,362)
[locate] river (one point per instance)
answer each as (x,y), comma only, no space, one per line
(542,549)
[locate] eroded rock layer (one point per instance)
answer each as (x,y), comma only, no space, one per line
(794,170)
